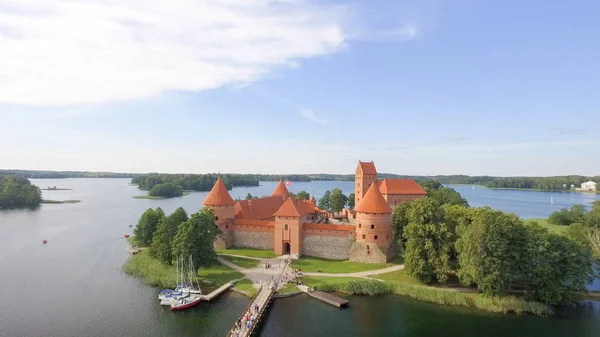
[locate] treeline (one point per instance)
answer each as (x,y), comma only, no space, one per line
(178,235)
(491,250)
(17,192)
(584,224)
(193,182)
(63,174)
(166,191)
(561,183)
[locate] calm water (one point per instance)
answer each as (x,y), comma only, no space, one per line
(74,286)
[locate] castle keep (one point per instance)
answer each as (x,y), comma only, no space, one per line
(298,227)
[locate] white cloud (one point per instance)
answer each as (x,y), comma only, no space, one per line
(64,52)
(310,115)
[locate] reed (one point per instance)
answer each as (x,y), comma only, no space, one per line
(359,287)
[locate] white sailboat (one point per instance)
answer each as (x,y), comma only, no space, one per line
(551,200)
(179,291)
(473,186)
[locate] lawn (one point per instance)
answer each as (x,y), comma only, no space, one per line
(250,252)
(397,276)
(311,264)
(557,229)
(246,285)
(240,261)
(218,274)
(288,289)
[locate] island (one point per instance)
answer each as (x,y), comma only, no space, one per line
(18,192)
(163,191)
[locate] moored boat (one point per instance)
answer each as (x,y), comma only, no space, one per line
(186,303)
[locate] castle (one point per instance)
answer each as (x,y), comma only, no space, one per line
(298,227)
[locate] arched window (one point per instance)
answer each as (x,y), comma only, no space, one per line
(364,237)
(359,225)
(216,218)
(286,227)
(372,226)
(375,237)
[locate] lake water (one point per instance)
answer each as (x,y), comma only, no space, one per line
(74,286)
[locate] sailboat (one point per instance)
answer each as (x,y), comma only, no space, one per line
(551,200)
(473,186)
(194,286)
(170,296)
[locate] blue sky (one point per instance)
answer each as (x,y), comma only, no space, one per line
(420,87)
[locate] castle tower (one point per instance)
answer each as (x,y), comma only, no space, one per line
(288,228)
(281,190)
(223,206)
(313,200)
(366,174)
(374,239)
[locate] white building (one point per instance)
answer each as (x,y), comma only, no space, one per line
(588,186)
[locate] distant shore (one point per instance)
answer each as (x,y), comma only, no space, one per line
(157,197)
(45,201)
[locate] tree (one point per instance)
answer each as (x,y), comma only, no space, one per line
(429,242)
(444,195)
(324,201)
(351,200)
(146,226)
(490,251)
(302,195)
(196,237)
(16,191)
(566,217)
(166,190)
(337,200)
(400,221)
(161,246)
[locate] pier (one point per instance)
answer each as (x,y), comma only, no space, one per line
(325,297)
(245,328)
(216,292)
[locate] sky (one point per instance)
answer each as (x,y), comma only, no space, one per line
(421,87)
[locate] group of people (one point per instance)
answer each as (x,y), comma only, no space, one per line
(247,320)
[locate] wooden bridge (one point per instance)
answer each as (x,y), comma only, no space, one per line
(216,292)
(244,328)
(329,298)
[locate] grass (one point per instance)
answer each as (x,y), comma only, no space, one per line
(240,261)
(134,242)
(288,289)
(358,287)
(155,273)
(250,252)
(400,276)
(46,201)
(311,264)
(322,281)
(557,229)
(153,197)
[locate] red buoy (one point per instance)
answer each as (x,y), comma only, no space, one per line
(126,236)
(45,241)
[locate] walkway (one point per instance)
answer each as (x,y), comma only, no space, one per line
(261,275)
(361,273)
(253,313)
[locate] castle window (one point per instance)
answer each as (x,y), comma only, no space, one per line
(286,227)
(364,237)
(216,218)
(372,226)
(375,237)
(226,226)
(358,184)
(359,225)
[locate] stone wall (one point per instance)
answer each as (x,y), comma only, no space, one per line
(328,247)
(370,253)
(258,240)
(224,240)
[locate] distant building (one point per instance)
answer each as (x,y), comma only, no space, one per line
(588,186)
(298,227)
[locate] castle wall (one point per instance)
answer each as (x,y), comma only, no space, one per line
(375,229)
(370,253)
(258,239)
(334,247)
(395,199)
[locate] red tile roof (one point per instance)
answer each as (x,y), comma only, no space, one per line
(400,186)
(367,167)
(258,209)
(290,208)
(280,189)
(373,202)
(307,206)
(218,196)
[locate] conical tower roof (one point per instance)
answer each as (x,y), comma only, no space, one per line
(289,208)
(280,190)
(373,202)
(313,200)
(219,196)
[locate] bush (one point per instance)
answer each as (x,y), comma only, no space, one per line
(359,287)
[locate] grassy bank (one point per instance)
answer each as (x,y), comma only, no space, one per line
(240,261)
(153,197)
(250,252)
(46,201)
(400,283)
(543,222)
(311,264)
(158,274)
(288,289)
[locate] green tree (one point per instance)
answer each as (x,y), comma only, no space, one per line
(146,226)
(566,216)
(351,200)
(303,195)
(17,191)
(400,221)
(444,195)
(429,242)
(490,251)
(166,190)
(196,237)
(337,200)
(161,246)
(324,201)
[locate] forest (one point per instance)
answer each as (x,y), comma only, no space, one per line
(17,192)
(33,174)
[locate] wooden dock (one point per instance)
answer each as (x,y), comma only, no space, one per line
(329,298)
(262,299)
(216,292)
